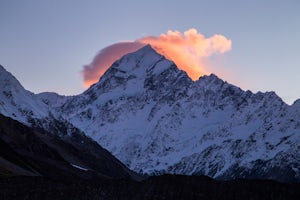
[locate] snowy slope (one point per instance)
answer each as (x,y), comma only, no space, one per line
(47,138)
(34,110)
(155,119)
(52,99)
(18,103)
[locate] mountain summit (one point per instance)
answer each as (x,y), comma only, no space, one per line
(156,120)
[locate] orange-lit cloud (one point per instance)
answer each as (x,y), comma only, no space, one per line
(187,51)
(105,58)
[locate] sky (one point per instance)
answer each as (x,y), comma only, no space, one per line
(46,44)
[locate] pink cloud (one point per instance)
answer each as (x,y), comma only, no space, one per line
(187,50)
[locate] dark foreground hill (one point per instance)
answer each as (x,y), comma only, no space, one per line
(162,187)
(30,152)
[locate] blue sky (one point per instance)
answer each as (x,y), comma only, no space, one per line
(46,43)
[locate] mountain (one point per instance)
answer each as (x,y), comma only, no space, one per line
(156,120)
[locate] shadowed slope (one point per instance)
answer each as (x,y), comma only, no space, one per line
(25,151)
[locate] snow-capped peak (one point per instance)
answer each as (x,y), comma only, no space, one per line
(129,76)
(144,62)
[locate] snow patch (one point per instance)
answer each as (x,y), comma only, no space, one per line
(79,167)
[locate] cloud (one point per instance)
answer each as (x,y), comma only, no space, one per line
(105,58)
(187,50)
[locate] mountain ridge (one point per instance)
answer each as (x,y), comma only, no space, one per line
(167,107)
(156,120)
